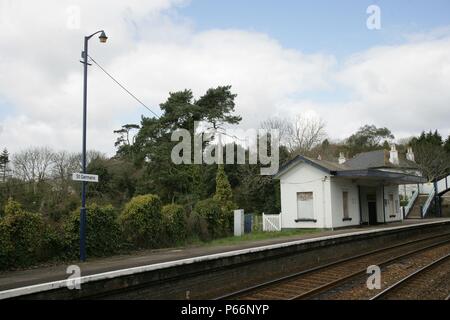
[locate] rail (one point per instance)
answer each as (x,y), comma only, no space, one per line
(427,204)
(410,204)
(415,274)
(328,284)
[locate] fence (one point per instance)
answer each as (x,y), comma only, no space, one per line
(271,222)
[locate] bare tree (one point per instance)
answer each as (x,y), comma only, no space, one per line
(306,133)
(299,135)
(282,125)
(33,164)
(64,164)
(432,160)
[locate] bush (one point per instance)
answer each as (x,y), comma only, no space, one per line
(224,196)
(197,228)
(6,246)
(210,210)
(142,222)
(12,207)
(102,231)
(174,220)
(22,239)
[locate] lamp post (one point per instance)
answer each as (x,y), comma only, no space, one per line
(103,39)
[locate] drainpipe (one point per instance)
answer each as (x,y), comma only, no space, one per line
(360,209)
(384,207)
(323,202)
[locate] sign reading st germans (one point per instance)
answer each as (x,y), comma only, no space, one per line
(84,177)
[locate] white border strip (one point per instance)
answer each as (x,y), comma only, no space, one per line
(125,272)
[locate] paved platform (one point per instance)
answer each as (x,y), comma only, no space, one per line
(163,257)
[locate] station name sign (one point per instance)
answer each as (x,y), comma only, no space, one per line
(85,177)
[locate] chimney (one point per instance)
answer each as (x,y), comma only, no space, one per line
(393,155)
(341,158)
(410,154)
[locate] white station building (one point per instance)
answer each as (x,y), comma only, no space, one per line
(362,190)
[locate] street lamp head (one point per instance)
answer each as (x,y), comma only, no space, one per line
(103,37)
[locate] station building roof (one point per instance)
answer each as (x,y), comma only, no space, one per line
(367,165)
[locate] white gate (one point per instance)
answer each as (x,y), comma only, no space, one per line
(271,222)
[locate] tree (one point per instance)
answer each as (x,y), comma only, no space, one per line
(305,133)
(284,127)
(432,160)
(430,155)
(4,160)
(224,196)
(223,189)
(63,165)
(125,141)
(447,144)
(433,138)
(153,143)
(33,164)
(367,138)
(299,135)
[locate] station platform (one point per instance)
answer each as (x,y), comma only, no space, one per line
(144,261)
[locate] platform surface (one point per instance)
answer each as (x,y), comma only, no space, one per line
(165,257)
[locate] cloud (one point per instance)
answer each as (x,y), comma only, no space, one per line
(153,51)
(403,87)
(42,77)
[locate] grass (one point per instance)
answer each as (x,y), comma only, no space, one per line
(259,235)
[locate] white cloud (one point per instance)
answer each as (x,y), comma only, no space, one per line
(403,87)
(154,52)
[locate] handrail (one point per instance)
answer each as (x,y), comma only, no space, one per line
(430,189)
(410,204)
(443,184)
(427,203)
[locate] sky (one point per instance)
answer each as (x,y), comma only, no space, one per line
(282,58)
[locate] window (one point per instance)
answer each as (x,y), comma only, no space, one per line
(345,204)
(305,207)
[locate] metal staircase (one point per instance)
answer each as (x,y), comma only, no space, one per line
(422,198)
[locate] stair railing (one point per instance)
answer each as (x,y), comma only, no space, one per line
(427,203)
(410,204)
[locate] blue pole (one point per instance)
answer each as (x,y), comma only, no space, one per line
(83,183)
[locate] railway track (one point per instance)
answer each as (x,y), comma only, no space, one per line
(417,283)
(309,283)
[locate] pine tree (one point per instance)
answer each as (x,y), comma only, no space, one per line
(223,189)
(224,196)
(4,160)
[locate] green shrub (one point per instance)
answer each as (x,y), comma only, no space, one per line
(142,222)
(197,228)
(174,220)
(224,196)
(6,246)
(211,211)
(12,207)
(102,231)
(22,239)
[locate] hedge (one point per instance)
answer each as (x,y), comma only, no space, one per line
(141,221)
(22,237)
(102,231)
(210,210)
(174,221)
